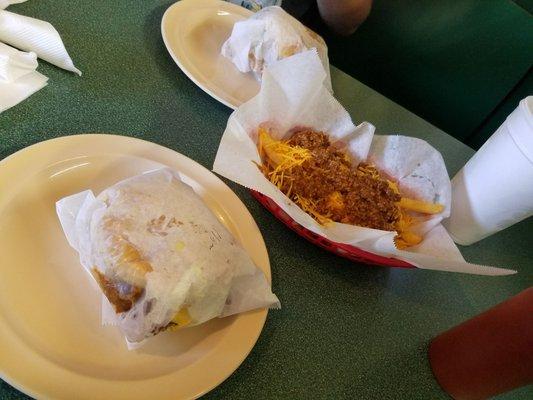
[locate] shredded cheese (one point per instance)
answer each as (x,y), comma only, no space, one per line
(279,157)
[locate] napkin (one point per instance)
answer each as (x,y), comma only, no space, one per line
(15,63)
(293,94)
(5,3)
(30,34)
(18,77)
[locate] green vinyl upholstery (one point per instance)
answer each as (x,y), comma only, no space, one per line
(452,62)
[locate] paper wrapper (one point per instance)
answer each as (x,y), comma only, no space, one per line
(40,37)
(18,76)
(208,272)
(293,95)
(268,36)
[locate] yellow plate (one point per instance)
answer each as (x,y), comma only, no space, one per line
(193,32)
(52,344)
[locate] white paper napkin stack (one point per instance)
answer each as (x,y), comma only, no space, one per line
(34,38)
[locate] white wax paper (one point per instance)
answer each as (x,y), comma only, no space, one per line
(270,35)
(196,262)
(293,95)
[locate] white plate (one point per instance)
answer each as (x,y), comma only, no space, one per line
(52,344)
(194,31)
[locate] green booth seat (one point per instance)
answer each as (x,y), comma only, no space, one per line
(456,63)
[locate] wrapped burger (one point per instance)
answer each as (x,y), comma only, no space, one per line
(268,36)
(160,256)
(386,195)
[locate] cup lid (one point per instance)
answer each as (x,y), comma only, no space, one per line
(520,125)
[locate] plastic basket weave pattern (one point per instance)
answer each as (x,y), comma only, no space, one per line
(343,250)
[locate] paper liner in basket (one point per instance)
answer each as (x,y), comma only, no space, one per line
(293,95)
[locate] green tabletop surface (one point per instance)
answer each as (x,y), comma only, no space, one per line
(346,330)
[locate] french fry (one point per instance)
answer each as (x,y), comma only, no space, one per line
(336,201)
(281,155)
(407,239)
(420,206)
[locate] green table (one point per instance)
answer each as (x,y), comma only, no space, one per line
(346,330)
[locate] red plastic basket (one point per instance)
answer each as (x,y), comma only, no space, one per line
(343,250)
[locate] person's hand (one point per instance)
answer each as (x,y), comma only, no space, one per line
(344,16)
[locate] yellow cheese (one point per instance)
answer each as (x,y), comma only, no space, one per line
(181,319)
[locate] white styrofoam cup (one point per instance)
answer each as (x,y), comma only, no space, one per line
(494,190)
